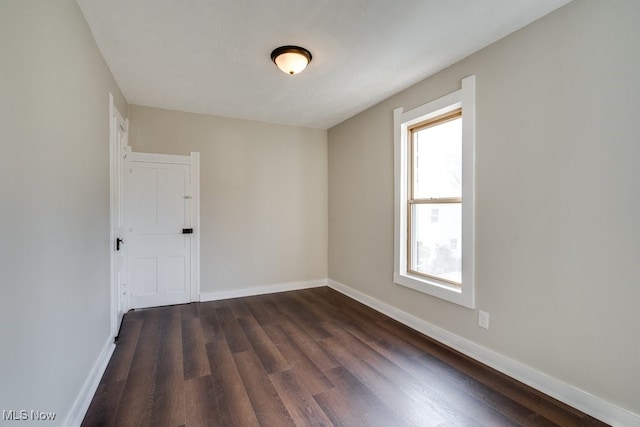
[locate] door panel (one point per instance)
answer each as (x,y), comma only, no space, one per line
(144,276)
(159,207)
(173,205)
(143,186)
(176,268)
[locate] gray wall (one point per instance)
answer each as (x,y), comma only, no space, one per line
(263,195)
(54,204)
(557,199)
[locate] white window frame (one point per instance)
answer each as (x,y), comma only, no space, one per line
(402,121)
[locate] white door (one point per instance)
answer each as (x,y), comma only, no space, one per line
(160,226)
(118,147)
(121,259)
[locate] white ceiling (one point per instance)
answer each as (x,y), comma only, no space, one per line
(212,56)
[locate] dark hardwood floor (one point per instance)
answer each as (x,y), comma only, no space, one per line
(310,357)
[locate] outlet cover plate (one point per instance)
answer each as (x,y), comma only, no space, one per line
(483,319)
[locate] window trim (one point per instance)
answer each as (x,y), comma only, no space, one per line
(463,99)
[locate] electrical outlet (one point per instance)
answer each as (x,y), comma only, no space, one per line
(483,319)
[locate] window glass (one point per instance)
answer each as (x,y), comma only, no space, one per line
(432,251)
(438,160)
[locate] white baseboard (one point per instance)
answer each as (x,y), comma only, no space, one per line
(83,400)
(261,290)
(573,396)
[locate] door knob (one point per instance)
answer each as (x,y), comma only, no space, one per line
(119,241)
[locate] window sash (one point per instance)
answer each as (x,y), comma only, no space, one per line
(449,116)
(412,131)
(411,237)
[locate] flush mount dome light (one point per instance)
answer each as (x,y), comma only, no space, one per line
(291,59)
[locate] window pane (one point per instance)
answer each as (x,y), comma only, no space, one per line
(438,161)
(436,246)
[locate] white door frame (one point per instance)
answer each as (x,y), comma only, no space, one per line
(117,154)
(193,159)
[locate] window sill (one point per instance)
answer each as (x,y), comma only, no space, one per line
(442,290)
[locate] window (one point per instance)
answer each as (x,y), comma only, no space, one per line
(434,196)
(435,179)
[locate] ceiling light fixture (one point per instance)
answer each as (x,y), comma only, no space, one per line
(291,59)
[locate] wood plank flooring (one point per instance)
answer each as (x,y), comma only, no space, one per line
(304,358)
